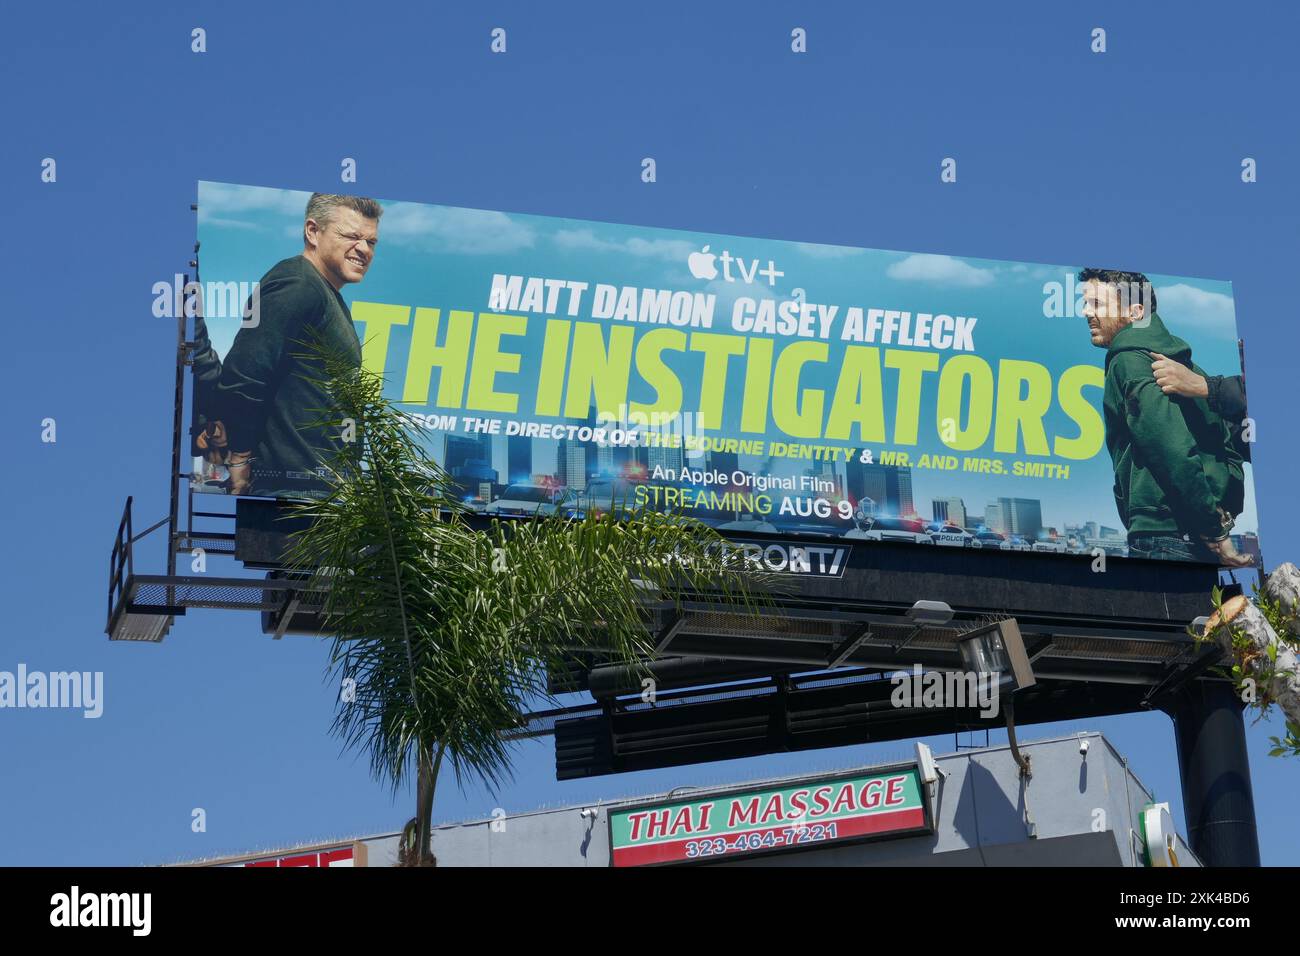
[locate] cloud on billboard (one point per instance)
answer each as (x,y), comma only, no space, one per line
(452,229)
(222,204)
(586,240)
(923,267)
(817,250)
(1209,312)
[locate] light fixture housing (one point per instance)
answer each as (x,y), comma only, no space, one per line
(929,613)
(999,649)
(925,764)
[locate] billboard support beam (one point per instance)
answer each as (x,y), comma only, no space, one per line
(1215,769)
(851,644)
(1180,673)
(670,629)
(174,535)
(173,513)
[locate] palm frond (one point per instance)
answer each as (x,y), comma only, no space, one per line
(446,628)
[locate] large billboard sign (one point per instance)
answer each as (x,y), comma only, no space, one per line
(798,816)
(764,386)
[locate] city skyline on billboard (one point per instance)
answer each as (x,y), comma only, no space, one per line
(765,386)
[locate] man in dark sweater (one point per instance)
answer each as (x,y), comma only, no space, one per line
(265,400)
(1179,482)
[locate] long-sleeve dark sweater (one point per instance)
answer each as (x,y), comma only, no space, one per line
(263,396)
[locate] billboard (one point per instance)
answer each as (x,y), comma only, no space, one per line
(792,817)
(764,386)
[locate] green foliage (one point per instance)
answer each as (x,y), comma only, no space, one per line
(447,627)
(1288,745)
(1283,623)
(1279,618)
(1253,671)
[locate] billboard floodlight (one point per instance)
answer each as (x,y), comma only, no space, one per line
(998,648)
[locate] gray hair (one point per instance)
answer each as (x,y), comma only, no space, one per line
(322,206)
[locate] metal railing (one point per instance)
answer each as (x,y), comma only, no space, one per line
(121,566)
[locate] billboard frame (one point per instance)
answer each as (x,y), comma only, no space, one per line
(1208,719)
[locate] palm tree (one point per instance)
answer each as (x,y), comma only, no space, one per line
(443,628)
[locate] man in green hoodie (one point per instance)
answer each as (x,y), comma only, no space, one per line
(1179,482)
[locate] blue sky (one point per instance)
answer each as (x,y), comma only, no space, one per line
(1129,158)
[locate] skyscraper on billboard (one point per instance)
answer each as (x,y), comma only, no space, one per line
(994,520)
(905,506)
(468,459)
(889,486)
(670,459)
(951,510)
(519,459)
(576,461)
(460,449)
(1022,516)
(571,463)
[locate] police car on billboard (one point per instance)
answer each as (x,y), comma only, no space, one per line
(889,528)
(523,499)
(984,538)
(600,496)
(943,533)
(1051,543)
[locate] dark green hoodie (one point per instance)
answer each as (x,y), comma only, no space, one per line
(1174,461)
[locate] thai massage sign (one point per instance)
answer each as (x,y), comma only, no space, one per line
(798,816)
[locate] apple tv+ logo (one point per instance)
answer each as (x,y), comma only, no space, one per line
(703,265)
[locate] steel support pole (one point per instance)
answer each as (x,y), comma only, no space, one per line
(1215,770)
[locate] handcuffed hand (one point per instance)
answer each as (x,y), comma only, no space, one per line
(1229,556)
(239,466)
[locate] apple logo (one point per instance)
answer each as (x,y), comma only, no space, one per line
(701,264)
